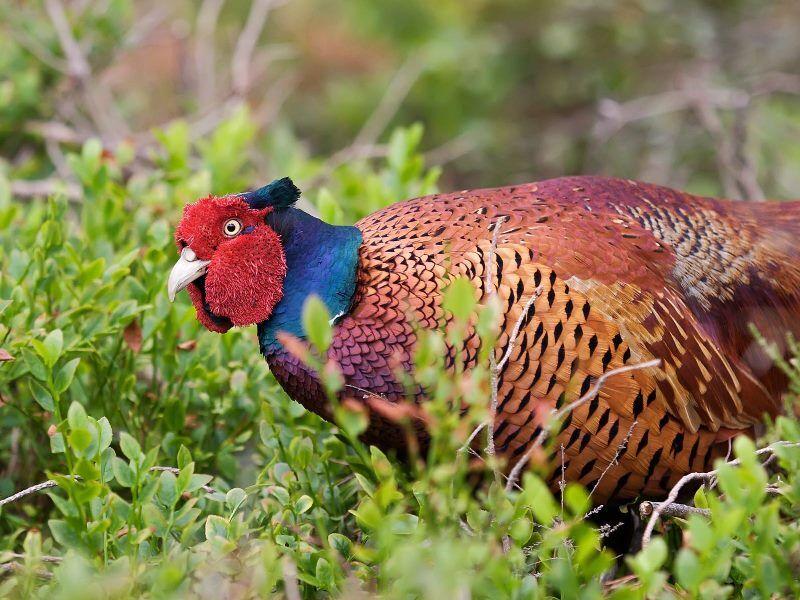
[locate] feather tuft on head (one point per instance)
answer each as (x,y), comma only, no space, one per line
(281,193)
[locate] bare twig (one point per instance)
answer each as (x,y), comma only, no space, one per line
(100,104)
(44,558)
(671,510)
(494,371)
(77,65)
(14,567)
(393,98)
(246,44)
(468,444)
(50,483)
(660,508)
(512,340)
(290,585)
(613,461)
(42,188)
(557,415)
(204,52)
(28,491)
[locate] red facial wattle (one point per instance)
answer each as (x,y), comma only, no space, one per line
(242,258)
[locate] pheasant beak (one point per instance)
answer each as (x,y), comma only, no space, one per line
(186,270)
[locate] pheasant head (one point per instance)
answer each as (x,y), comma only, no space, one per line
(232,262)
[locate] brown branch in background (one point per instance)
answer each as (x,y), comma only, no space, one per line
(736,164)
(42,188)
(246,44)
(205,52)
(77,65)
(725,152)
(660,508)
(14,567)
(396,93)
(99,102)
(144,26)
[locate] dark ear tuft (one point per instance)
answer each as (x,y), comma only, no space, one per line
(281,193)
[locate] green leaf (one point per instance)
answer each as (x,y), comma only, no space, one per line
(66,374)
(153,517)
(106,435)
(539,499)
(80,440)
(129,446)
(76,416)
(57,443)
(184,456)
(197,481)
(122,472)
(42,396)
(353,421)
(51,347)
(316,323)
(459,298)
(341,544)
(303,504)
(64,534)
(216,526)
(167,490)
(302,451)
(106,465)
(324,574)
(234,498)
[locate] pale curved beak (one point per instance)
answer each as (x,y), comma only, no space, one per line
(186,270)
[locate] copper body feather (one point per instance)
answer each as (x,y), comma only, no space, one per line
(627,272)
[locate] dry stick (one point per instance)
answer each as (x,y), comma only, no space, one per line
(613,461)
(77,65)
(393,98)
(512,340)
(557,415)
(50,483)
(41,188)
(14,567)
(672,510)
(290,585)
(204,52)
(99,102)
(511,344)
(246,44)
(493,370)
(725,154)
(44,558)
(660,509)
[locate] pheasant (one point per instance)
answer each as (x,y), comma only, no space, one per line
(623,272)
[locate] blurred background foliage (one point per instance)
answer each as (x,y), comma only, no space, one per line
(682,93)
(114,113)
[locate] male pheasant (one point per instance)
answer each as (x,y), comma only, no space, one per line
(625,271)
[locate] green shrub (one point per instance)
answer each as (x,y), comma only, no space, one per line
(177,465)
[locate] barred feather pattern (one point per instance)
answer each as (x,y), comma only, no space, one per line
(627,272)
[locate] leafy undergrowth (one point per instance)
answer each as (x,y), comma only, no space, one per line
(182,469)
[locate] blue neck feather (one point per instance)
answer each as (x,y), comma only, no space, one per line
(321,259)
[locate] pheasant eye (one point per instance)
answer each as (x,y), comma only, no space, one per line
(232,227)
